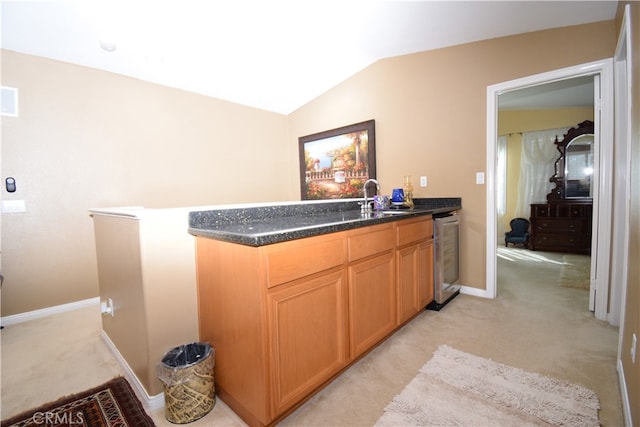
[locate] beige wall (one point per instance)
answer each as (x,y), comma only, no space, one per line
(430,112)
(146,266)
(87,138)
(631,321)
(513,123)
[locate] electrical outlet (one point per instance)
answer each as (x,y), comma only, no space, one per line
(13,206)
(423,181)
(634,344)
(106,307)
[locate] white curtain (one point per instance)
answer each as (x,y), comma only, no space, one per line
(501,184)
(537,165)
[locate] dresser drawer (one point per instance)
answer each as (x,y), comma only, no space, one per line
(544,241)
(558,225)
(540,211)
(574,211)
(561,210)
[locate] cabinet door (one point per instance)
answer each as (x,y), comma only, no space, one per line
(308,335)
(425,274)
(415,279)
(408,259)
(372,302)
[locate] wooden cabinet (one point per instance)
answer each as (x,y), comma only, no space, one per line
(372,302)
(425,274)
(231,313)
(284,319)
(308,336)
(372,292)
(561,227)
(415,267)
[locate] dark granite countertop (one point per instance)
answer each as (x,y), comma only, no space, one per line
(268,224)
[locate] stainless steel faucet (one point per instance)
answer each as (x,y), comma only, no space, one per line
(365,204)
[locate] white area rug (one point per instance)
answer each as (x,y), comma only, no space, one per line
(459,389)
(575,271)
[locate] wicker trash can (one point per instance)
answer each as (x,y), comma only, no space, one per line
(187,374)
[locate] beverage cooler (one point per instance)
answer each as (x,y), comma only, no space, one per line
(446,236)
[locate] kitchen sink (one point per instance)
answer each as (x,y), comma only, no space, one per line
(393,211)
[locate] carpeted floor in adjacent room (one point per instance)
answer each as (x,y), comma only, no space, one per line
(534,324)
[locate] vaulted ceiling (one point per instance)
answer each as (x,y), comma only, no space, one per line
(275,55)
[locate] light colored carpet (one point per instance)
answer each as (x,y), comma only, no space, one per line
(574,270)
(457,388)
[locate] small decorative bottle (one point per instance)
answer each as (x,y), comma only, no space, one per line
(408,191)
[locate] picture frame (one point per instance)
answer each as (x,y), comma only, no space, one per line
(335,164)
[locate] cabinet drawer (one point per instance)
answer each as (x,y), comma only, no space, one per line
(369,241)
(288,261)
(558,226)
(413,230)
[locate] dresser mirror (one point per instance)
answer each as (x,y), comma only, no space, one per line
(574,168)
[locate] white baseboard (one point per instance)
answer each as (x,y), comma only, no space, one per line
(468,290)
(151,403)
(624,394)
(44,312)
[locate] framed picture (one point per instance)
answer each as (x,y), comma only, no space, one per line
(336,163)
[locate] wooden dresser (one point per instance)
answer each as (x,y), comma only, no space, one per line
(561,227)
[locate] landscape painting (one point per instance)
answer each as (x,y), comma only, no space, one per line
(336,163)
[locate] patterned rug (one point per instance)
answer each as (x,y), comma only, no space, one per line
(113,404)
(460,389)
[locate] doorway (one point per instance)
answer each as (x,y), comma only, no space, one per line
(602,71)
(530,120)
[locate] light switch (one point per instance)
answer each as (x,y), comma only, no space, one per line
(479,177)
(423,181)
(10,184)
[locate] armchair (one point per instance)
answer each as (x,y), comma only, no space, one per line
(519,232)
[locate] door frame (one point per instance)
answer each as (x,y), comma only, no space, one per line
(602,193)
(622,192)
(622,184)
